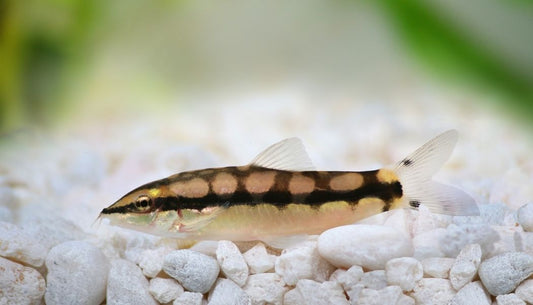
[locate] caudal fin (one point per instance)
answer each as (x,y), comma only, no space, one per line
(415,172)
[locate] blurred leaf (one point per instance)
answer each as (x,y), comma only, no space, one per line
(447,50)
(43,46)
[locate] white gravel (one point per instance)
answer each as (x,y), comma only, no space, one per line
(465,266)
(189,298)
(509,299)
(77,273)
(369,246)
(437,266)
(127,285)
(311,292)
(20,284)
(525,217)
(503,273)
(404,272)
(231,262)
(165,290)
(433,291)
(302,262)
(53,185)
(471,294)
(195,271)
(18,245)
(226,292)
(387,295)
(376,279)
(265,288)
(259,260)
(525,291)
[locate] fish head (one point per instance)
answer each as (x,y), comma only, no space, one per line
(157,209)
(140,210)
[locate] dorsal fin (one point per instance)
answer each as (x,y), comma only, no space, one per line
(288,154)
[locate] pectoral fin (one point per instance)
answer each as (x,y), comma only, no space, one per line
(194,220)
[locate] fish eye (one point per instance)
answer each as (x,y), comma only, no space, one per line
(143,203)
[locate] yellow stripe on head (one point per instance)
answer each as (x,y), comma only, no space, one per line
(154,192)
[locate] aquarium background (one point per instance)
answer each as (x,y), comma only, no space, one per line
(68,63)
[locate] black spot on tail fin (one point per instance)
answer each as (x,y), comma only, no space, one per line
(407,162)
(414,203)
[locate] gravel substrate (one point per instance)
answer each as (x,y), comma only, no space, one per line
(53,185)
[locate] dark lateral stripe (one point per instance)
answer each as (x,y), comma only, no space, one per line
(387,192)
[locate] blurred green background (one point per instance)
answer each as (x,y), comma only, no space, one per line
(61,59)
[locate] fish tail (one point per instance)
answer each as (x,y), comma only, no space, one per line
(415,173)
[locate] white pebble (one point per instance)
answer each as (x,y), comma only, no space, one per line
(471,294)
(136,245)
(509,299)
(232,262)
(437,266)
(293,297)
(127,285)
(349,280)
(501,274)
(525,217)
(354,291)
(151,261)
(465,266)
(226,292)
(302,262)
(525,291)
(404,272)
(427,244)
(369,246)
(507,239)
(387,295)
(47,227)
(458,236)
(265,288)
(405,300)
(424,221)
(258,259)
(400,219)
(189,298)
(376,279)
(493,213)
(20,284)
(433,291)
(314,293)
(195,271)
(524,242)
(18,245)
(77,274)
(164,290)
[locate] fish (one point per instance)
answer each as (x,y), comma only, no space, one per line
(280,196)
